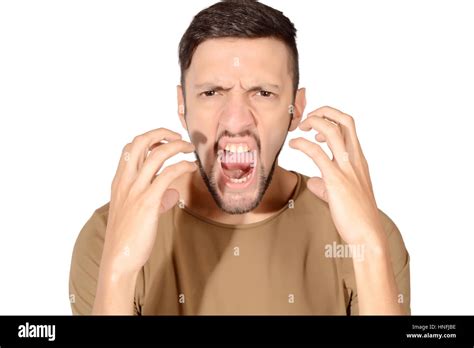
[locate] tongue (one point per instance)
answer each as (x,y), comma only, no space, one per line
(235,170)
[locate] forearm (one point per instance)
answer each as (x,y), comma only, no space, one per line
(115,292)
(376,285)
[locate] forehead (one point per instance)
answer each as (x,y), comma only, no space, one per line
(226,58)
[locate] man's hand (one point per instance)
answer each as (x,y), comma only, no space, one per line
(346,186)
(138,197)
(345,182)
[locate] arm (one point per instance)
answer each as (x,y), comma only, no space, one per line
(115,291)
(346,186)
(138,196)
(376,286)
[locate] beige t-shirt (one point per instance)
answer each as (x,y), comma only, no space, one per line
(294,262)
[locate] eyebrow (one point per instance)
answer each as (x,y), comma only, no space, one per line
(210,86)
(264,86)
(259,87)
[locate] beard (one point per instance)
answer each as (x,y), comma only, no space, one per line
(236,204)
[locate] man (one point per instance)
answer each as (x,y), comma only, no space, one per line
(233,232)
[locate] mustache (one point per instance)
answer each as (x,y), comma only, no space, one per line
(246,133)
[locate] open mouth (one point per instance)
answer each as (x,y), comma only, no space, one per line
(238,163)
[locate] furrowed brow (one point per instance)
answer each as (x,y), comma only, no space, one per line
(264,87)
(210,86)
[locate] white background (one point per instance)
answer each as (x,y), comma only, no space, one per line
(79,79)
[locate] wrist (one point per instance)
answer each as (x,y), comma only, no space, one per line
(374,249)
(115,270)
(115,290)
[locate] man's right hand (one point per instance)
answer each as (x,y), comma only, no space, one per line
(139,195)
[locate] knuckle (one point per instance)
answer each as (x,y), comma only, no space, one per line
(145,201)
(114,184)
(155,154)
(326,107)
(133,191)
(137,139)
(175,167)
(332,130)
(350,120)
(178,143)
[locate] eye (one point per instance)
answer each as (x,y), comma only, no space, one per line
(209,93)
(265,94)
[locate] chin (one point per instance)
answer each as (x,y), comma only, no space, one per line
(238,203)
(235,198)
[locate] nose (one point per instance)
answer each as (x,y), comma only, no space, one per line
(236,115)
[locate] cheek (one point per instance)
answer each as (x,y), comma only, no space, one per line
(272,135)
(202,134)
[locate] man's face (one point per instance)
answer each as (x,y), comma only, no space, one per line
(238,92)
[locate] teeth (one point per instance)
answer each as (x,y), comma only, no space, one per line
(241,180)
(237,148)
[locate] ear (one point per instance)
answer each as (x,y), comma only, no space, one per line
(181,106)
(300,104)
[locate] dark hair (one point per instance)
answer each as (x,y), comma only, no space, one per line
(239,19)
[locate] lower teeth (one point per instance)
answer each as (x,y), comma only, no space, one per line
(241,180)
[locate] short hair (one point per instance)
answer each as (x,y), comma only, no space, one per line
(239,19)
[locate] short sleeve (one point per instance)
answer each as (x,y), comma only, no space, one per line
(400,264)
(85,263)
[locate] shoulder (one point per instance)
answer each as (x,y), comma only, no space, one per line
(91,238)
(96,224)
(394,237)
(309,202)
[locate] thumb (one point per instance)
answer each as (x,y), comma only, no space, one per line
(168,200)
(317,186)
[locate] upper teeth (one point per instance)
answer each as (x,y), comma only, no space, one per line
(237,148)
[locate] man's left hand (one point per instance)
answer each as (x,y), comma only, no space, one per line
(345,183)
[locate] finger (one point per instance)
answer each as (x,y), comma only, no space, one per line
(134,154)
(155,161)
(336,116)
(316,153)
(317,186)
(165,178)
(320,138)
(333,137)
(345,121)
(142,144)
(120,168)
(169,200)
(351,140)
